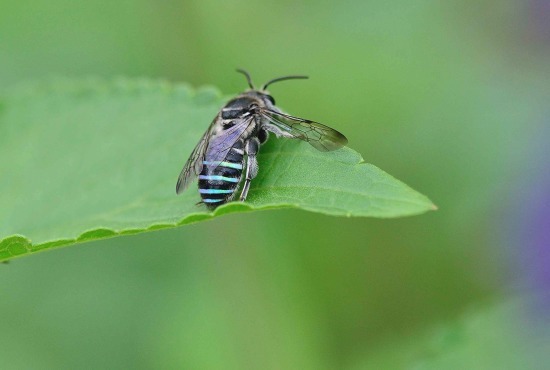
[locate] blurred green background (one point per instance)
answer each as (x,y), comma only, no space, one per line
(450,97)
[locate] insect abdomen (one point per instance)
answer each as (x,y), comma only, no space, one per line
(217,185)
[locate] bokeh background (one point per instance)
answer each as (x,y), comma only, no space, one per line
(450,97)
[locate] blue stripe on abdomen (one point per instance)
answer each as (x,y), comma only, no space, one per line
(237,166)
(218,178)
(212,200)
(216,191)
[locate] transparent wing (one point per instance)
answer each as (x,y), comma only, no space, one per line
(321,137)
(193,166)
(213,147)
(220,144)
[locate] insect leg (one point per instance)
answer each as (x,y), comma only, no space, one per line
(263,135)
(277,130)
(252,147)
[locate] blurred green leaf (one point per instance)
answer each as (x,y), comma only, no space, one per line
(89,159)
(500,335)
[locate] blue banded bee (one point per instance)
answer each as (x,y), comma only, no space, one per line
(230,145)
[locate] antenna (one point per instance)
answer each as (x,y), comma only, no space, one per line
(282,79)
(248,79)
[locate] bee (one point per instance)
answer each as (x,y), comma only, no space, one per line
(228,150)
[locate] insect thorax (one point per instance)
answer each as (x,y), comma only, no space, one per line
(241,105)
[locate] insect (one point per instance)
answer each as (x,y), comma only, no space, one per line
(228,150)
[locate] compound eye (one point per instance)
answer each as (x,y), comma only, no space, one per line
(270,98)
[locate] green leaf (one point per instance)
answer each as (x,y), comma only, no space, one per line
(90,159)
(505,334)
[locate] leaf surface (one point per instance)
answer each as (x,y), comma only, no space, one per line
(90,159)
